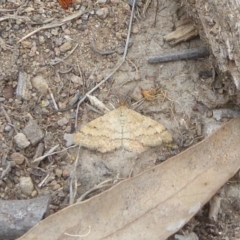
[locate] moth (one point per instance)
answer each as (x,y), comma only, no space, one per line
(65,3)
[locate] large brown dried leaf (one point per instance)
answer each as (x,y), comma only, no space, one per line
(156,203)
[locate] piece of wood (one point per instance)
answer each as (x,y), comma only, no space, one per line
(218,24)
(192,53)
(18,216)
(185,30)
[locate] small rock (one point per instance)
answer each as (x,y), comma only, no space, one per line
(62,105)
(119,35)
(102,12)
(57,52)
(21,140)
(76,79)
(85,17)
(75,98)
(63,121)
(33,51)
(68,138)
(58,172)
(137,94)
(209,114)
(8,92)
(66,47)
(18,158)
(41,39)
(26,44)
(34,193)
(40,84)
(65,173)
(7,128)
(44,103)
(56,187)
(101,1)
(219,114)
(26,186)
(135,29)
(33,132)
(54,31)
(99,77)
(68,129)
(115,2)
(53,182)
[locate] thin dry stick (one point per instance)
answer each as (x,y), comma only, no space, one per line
(13,16)
(73,182)
(53,25)
(53,99)
(58,60)
(51,152)
(155,14)
(43,181)
(99,186)
(7,10)
(115,69)
(145,7)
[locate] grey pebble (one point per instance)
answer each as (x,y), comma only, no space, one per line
(63,121)
(68,138)
(65,47)
(18,158)
(26,185)
(102,13)
(21,140)
(33,132)
(7,128)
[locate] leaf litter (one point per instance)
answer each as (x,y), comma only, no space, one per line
(159,78)
(156,203)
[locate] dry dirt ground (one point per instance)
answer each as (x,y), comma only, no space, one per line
(184,104)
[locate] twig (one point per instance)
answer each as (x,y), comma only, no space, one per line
(53,25)
(99,186)
(155,13)
(93,47)
(115,69)
(43,181)
(53,99)
(58,60)
(13,16)
(39,150)
(180,55)
(146,5)
(7,10)
(73,181)
(49,153)
(93,109)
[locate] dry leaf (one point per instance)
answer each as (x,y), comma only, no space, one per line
(156,203)
(154,93)
(149,95)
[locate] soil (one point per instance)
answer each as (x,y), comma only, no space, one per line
(184,104)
